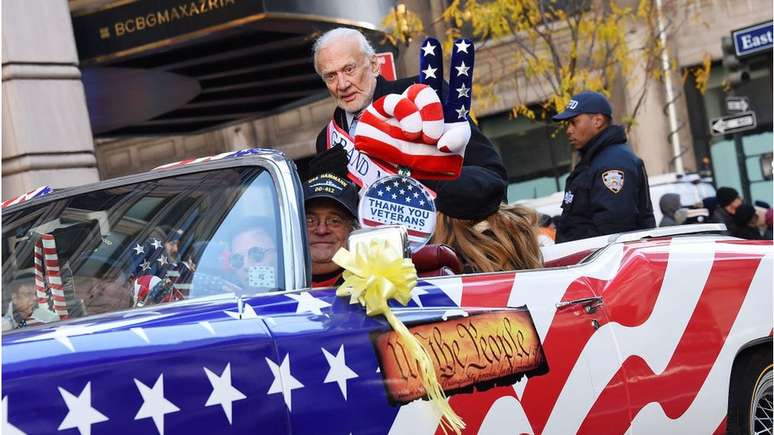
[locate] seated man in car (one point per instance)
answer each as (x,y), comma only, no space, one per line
(253,257)
(331,214)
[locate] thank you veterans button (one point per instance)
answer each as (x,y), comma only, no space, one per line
(400,200)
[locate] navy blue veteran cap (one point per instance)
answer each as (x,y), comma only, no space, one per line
(585,102)
(335,188)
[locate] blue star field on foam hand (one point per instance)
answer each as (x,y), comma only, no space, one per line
(457,103)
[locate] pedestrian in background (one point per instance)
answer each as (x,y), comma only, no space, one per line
(746,222)
(728,201)
(607,191)
(670,204)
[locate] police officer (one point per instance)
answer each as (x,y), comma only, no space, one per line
(608,190)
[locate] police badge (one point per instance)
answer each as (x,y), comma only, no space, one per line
(613,180)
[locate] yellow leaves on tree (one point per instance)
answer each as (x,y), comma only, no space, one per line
(562,47)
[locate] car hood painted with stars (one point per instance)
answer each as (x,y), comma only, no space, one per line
(178,301)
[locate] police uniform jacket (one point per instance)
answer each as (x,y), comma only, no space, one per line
(481,186)
(607,192)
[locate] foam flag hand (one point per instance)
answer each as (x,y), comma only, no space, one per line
(418,130)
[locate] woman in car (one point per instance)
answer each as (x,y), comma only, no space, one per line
(504,240)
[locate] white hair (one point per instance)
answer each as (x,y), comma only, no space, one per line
(337,34)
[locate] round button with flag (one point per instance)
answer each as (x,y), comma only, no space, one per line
(400,200)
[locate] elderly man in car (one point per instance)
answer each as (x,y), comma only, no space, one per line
(331,214)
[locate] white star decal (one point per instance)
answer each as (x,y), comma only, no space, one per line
(461,112)
(401,191)
(428,49)
(206,325)
(145,265)
(380,193)
(154,405)
(394,196)
(284,382)
(462,70)
(138,249)
(7,428)
(339,372)
(223,393)
(388,188)
(462,46)
(462,91)
(156,244)
(80,414)
(422,202)
(308,303)
(162,260)
(395,184)
(430,72)
(247,313)
(416,195)
(416,292)
(140,333)
(62,334)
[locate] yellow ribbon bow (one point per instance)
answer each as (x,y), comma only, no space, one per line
(373,275)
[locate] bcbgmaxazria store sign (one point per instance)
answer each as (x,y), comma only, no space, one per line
(148,24)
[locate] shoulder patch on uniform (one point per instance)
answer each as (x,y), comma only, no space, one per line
(613,180)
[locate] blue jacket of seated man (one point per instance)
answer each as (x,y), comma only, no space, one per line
(607,192)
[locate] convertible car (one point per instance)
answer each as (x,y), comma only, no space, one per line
(128,308)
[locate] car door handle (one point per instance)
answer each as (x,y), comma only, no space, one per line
(589,304)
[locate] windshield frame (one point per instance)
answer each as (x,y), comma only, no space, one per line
(295,256)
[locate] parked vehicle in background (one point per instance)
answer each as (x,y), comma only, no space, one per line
(691,187)
(659,331)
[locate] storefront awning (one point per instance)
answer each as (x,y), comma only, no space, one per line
(184,66)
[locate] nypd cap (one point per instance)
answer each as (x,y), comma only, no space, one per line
(585,102)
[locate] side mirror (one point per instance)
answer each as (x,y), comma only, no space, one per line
(395,233)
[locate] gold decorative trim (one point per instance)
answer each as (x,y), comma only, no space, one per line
(224,26)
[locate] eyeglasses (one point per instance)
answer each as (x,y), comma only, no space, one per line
(332,222)
(256,254)
(349,71)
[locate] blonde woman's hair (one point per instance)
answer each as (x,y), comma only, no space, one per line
(505,240)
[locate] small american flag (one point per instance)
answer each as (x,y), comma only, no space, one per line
(157,276)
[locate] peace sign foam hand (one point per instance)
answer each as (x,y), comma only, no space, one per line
(415,129)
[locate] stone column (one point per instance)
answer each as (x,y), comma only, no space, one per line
(47,137)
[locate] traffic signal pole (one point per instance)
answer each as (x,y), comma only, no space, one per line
(736,75)
(742,163)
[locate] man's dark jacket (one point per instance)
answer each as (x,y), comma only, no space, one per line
(481,186)
(597,199)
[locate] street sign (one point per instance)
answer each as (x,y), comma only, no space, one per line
(737,104)
(753,39)
(733,123)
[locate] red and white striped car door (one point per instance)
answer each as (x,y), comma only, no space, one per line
(562,305)
(680,311)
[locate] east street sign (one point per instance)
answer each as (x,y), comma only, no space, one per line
(737,104)
(733,123)
(752,39)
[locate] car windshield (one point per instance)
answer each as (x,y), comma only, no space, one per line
(141,244)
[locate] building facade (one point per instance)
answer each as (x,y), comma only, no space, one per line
(536,156)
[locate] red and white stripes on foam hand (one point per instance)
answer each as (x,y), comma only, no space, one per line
(47,270)
(374,139)
(418,112)
(431,109)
